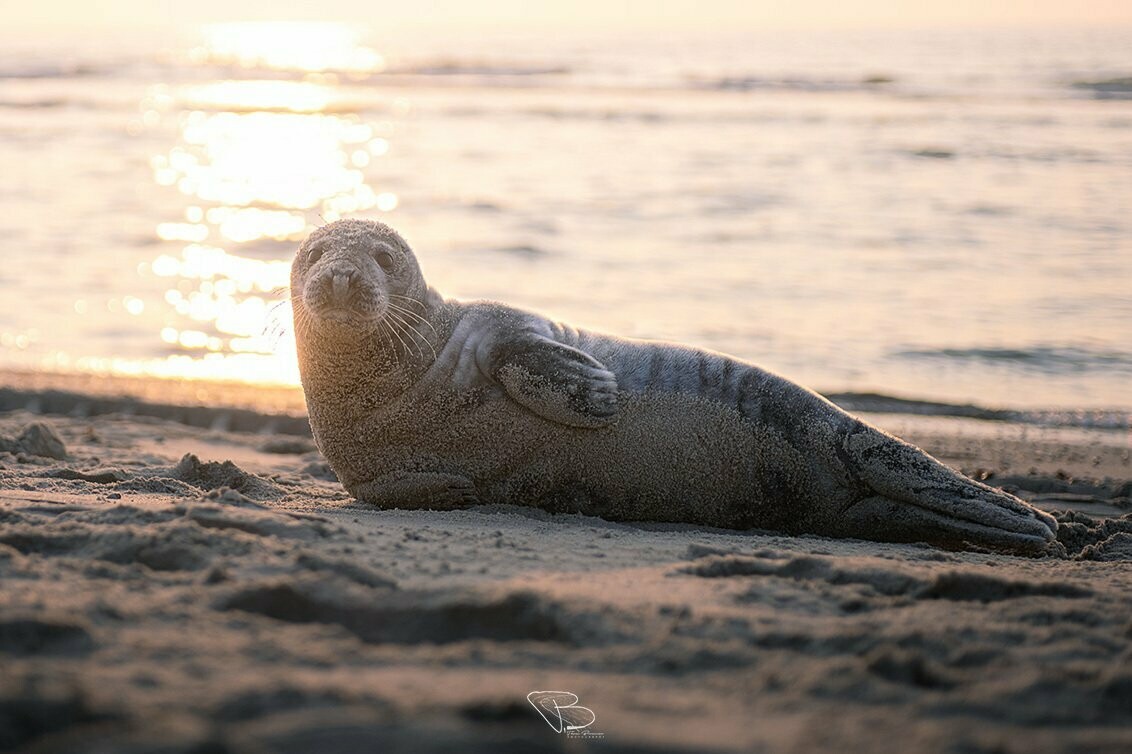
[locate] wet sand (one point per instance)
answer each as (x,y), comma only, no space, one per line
(176,588)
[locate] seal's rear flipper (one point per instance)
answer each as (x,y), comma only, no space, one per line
(883,519)
(914,492)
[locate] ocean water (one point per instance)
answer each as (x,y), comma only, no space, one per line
(937,215)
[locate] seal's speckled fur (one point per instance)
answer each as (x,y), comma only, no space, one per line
(421,401)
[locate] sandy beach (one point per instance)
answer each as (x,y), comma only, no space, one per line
(176,588)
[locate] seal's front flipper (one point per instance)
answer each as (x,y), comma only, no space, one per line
(418,490)
(557,382)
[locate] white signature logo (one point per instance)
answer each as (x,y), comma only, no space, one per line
(561,711)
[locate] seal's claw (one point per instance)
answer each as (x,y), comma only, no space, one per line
(559,383)
(598,394)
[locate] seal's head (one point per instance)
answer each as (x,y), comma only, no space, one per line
(347,275)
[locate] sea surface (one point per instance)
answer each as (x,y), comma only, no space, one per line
(944,216)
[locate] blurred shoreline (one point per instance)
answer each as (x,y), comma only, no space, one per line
(74,388)
(80,394)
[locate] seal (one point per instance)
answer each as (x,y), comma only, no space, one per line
(418,401)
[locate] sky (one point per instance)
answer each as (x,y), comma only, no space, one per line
(608,14)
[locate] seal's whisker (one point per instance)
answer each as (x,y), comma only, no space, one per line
(418,335)
(396,327)
(386,329)
(396,331)
(409,300)
(414,314)
(406,298)
(403,311)
(399,326)
(276,326)
(300,316)
(415,334)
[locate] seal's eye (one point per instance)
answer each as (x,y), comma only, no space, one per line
(385,259)
(315,255)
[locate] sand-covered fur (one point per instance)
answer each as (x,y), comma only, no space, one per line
(423,402)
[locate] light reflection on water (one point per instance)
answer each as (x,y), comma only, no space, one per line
(260,96)
(960,233)
(257,161)
(280,160)
(288,46)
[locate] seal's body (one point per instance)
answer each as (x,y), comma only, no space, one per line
(418,401)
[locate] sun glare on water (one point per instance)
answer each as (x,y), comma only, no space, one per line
(259,161)
(288,46)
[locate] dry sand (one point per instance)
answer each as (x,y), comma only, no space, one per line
(179,589)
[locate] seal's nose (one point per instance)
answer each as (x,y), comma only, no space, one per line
(340,284)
